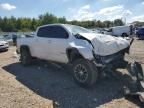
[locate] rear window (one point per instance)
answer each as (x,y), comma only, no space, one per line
(52,32)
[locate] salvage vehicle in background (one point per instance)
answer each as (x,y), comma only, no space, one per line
(8,38)
(123,31)
(3,44)
(89,54)
(140,33)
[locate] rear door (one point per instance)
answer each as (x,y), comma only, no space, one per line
(41,44)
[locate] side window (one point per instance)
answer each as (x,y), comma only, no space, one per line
(59,32)
(43,32)
(52,32)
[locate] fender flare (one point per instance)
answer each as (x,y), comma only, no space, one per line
(73,53)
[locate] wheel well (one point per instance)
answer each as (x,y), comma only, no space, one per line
(73,54)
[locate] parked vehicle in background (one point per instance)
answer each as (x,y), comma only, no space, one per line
(8,38)
(90,54)
(140,33)
(3,44)
(123,31)
(14,38)
(136,30)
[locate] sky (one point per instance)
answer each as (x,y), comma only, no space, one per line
(81,10)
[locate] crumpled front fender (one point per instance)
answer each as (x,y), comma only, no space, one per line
(84,48)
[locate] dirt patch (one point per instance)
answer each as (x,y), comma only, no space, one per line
(14,94)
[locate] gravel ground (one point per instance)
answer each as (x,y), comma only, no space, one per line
(35,86)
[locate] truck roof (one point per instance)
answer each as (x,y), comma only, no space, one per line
(54,24)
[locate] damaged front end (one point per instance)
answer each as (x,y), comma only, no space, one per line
(108,64)
(113,61)
(109,54)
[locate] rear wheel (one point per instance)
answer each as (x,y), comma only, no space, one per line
(25,57)
(84,73)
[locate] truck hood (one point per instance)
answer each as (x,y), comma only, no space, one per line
(105,44)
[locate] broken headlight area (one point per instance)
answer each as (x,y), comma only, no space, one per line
(115,60)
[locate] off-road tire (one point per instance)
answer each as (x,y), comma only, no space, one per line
(91,72)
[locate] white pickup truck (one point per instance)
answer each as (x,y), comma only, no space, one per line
(90,54)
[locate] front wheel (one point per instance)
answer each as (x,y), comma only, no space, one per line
(84,73)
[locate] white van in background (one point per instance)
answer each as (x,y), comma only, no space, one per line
(123,31)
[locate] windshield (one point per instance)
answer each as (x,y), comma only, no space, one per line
(77,29)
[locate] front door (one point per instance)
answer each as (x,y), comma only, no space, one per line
(58,44)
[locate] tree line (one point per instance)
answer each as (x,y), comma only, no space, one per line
(25,24)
